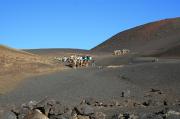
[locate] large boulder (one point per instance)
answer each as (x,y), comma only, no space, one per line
(9,115)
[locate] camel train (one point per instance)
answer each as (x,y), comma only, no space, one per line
(121,52)
(75,61)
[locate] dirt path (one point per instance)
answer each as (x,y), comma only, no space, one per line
(68,86)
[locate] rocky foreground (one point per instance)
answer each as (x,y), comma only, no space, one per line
(90,108)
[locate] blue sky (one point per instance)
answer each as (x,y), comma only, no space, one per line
(75,23)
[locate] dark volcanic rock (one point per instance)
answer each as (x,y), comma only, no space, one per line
(31,105)
(150,116)
(98,115)
(58,109)
(51,109)
(90,101)
(9,115)
(125,116)
(58,117)
(45,102)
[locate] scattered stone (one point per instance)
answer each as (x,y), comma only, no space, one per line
(90,101)
(172,115)
(126,93)
(154,90)
(114,103)
(31,105)
(84,110)
(133,116)
(165,102)
(98,115)
(129,103)
(150,116)
(42,103)
(58,109)
(45,102)
(82,117)
(122,94)
(147,103)
(58,117)
(125,116)
(105,104)
(99,104)
(124,77)
(68,115)
(178,102)
(160,114)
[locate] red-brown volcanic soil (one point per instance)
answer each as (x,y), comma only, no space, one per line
(155,37)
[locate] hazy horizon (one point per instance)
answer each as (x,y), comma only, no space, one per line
(81,24)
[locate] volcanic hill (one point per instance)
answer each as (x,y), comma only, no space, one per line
(153,38)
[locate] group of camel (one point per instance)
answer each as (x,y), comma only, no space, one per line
(121,52)
(75,61)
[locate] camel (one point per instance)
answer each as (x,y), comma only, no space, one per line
(121,52)
(76,61)
(117,52)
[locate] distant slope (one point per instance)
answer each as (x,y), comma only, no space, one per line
(56,51)
(155,37)
(10,54)
(14,61)
(4,49)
